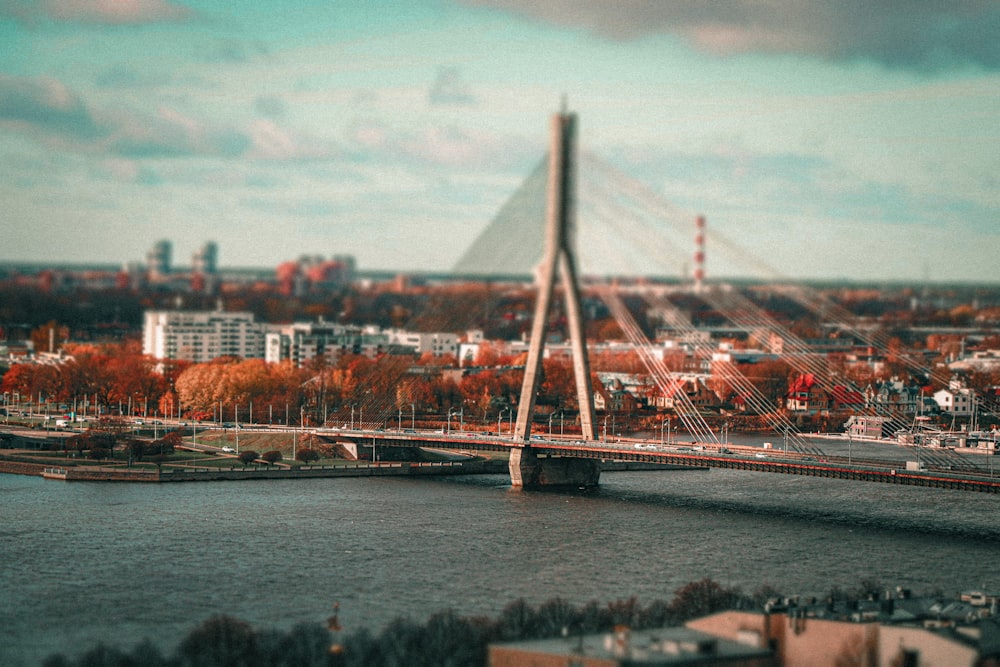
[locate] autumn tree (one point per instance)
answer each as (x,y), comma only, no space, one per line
(307,456)
(558,385)
(134,380)
(701,598)
(272,456)
(479,389)
(771,378)
(49,337)
(22,379)
(136,449)
(87,374)
(248,456)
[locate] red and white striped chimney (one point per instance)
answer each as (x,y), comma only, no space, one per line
(699,253)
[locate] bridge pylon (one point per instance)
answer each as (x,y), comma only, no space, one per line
(559,258)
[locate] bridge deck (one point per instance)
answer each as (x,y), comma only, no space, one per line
(692,454)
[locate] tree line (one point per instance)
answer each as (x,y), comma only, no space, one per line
(445,638)
(117,379)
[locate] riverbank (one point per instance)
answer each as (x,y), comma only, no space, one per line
(211,474)
(214,474)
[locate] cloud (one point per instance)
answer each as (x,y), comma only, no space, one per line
(49,111)
(97,12)
(919,34)
(170,133)
(450,88)
(269,106)
(46,104)
(441,145)
(271,141)
(235,51)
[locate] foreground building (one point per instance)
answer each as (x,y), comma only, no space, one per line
(887,633)
(667,646)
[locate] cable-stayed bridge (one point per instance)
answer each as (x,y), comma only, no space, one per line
(576,217)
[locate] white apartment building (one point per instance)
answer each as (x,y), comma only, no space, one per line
(303,341)
(438,344)
(201,335)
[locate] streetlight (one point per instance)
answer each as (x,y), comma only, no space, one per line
(451,412)
(551,415)
(606,427)
(500,419)
(665,425)
(413,417)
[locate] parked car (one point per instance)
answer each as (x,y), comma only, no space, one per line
(228,449)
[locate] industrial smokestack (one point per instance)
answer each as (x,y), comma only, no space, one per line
(699,253)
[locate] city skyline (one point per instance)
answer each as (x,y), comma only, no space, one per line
(828,141)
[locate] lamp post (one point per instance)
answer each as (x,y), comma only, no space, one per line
(665,426)
(500,419)
(413,417)
(551,415)
(451,412)
(606,427)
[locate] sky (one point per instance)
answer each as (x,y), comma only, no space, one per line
(842,139)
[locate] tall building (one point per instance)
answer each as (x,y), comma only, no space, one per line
(206,260)
(158,261)
(201,336)
(204,268)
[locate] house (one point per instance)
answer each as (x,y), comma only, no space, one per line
(956,399)
(845,398)
(683,391)
(867,426)
(613,397)
(806,396)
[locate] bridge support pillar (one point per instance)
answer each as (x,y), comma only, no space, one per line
(529,471)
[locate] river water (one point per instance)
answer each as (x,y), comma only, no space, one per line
(83,562)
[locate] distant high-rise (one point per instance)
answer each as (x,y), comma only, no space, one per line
(205,261)
(158,261)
